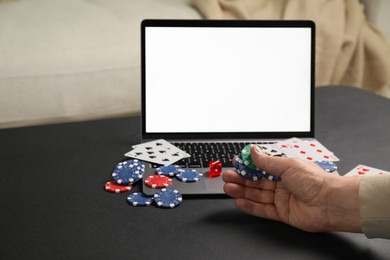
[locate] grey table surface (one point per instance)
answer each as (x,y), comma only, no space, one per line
(53,205)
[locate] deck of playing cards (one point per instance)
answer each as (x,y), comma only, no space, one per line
(158,151)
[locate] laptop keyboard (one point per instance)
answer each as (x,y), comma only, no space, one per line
(203,153)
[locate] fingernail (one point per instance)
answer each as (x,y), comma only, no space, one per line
(257,149)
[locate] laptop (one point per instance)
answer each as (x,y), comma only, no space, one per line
(212,86)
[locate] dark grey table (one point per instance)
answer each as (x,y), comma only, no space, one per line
(53,205)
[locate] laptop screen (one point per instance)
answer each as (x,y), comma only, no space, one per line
(227,78)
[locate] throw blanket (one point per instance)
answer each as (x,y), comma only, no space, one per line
(349,50)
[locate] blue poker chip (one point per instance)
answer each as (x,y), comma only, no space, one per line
(247,172)
(253,174)
(139,199)
(128,172)
(327,166)
(189,175)
(272,177)
(168,170)
(167,198)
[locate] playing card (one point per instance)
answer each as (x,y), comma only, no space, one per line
(161,144)
(158,151)
(272,149)
(310,150)
(287,146)
(314,151)
(361,170)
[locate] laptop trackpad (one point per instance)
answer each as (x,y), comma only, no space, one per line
(214,185)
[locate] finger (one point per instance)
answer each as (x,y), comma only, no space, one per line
(254,194)
(273,165)
(257,209)
(234,160)
(232,176)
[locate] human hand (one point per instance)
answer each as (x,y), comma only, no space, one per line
(307,197)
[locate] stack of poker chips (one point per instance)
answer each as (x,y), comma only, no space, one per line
(246,167)
(164,197)
(124,175)
(130,172)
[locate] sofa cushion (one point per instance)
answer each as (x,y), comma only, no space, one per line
(74,59)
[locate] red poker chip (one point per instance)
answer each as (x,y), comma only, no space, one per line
(112,186)
(158,181)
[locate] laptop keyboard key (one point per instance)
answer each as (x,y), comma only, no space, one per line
(203,153)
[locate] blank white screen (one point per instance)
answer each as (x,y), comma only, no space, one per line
(227,79)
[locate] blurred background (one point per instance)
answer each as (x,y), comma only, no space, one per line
(72,60)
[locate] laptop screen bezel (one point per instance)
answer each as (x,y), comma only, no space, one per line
(226,23)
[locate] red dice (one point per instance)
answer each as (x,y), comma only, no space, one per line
(215,168)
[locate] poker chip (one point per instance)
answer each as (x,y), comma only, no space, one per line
(167,198)
(168,170)
(246,156)
(327,166)
(112,186)
(252,174)
(139,199)
(189,175)
(128,172)
(158,181)
(246,172)
(272,177)
(267,149)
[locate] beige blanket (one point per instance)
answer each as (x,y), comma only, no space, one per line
(349,50)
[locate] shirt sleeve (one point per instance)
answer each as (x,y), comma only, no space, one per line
(374,197)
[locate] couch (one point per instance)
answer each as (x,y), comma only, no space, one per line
(71,60)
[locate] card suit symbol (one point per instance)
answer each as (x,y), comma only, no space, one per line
(138,153)
(296,146)
(319,150)
(312,145)
(152,157)
(302,152)
(162,151)
(165,160)
(148,148)
(150,152)
(309,158)
(326,156)
(273,151)
(175,154)
(361,173)
(159,144)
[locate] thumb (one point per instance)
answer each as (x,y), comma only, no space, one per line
(273,165)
